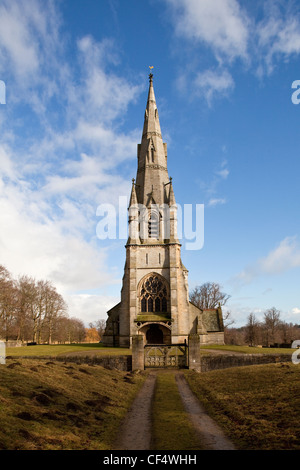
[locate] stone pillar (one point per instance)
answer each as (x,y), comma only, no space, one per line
(194,353)
(138,359)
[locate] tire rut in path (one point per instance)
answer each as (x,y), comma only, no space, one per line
(209,432)
(135,433)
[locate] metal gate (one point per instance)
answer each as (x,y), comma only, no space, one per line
(166,355)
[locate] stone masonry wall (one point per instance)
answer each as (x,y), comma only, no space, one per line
(208,363)
(123,363)
(220,361)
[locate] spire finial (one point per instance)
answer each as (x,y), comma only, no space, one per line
(150,74)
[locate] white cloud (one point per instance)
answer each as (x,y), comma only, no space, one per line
(212,83)
(212,188)
(90,308)
(296,311)
(284,257)
(30,51)
(223,173)
(216,201)
(221,24)
(230,30)
(278,33)
(53,179)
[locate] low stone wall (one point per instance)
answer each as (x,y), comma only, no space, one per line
(14,344)
(224,361)
(208,362)
(123,363)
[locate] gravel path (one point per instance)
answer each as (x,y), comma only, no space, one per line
(135,433)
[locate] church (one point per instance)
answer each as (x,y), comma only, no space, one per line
(155,294)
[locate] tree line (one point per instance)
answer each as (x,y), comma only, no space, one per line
(32,311)
(271,331)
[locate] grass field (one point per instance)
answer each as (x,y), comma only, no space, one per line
(171,428)
(54,350)
(97,348)
(257,406)
(46,405)
(248,349)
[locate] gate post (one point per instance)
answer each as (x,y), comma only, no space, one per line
(194,353)
(138,359)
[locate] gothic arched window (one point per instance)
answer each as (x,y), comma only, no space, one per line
(153,225)
(154,294)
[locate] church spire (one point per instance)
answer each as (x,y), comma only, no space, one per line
(152,172)
(151,120)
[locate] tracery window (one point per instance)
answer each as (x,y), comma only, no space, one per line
(154,294)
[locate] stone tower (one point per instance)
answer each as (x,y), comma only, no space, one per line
(154,296)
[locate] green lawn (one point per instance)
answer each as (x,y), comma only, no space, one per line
(61,349)
(50,405)
(258,406)
(171,427)
(248,349)
(97,348)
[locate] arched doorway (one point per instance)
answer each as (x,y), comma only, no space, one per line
(154,335)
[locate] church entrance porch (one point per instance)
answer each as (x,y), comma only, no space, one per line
(155,333)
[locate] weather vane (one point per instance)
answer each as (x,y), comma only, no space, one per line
(150,74)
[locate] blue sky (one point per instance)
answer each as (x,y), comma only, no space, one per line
(76,77)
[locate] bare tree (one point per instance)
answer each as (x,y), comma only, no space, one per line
(55,308)
(99,325)
(31,309)
(8,303)
(24,285)
(208,295)
(271,324)
(227,319)
(251,330)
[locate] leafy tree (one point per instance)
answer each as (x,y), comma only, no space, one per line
(92,335)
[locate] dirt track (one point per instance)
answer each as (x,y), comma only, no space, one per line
(135,433)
